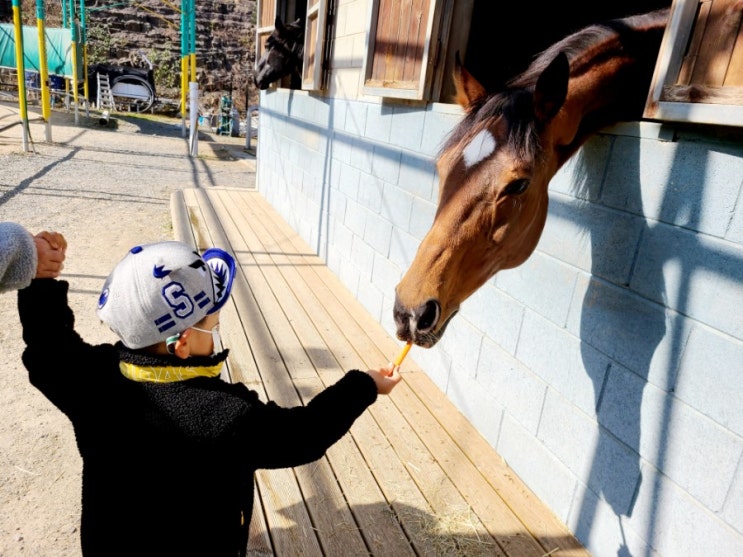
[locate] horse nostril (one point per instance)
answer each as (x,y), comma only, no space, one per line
(430,315)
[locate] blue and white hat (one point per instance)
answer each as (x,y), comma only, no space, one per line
(161,289)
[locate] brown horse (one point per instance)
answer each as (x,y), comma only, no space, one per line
(495,167)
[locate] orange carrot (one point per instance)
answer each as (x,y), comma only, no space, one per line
(403,353)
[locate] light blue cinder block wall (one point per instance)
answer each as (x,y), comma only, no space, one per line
(608,369)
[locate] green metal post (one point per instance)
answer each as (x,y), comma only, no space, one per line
(184,61)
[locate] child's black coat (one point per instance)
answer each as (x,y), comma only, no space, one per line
(168,467)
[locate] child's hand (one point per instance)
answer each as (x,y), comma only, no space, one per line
(50,250)
(386,378)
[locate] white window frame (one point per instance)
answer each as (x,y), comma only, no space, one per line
(316,13)
(670,58)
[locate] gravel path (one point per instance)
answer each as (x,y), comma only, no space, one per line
(106,188)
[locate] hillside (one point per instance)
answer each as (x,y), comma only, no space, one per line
(117,32)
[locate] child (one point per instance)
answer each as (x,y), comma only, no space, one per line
(24,257)
(169,449)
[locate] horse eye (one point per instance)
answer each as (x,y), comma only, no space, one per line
(516,187)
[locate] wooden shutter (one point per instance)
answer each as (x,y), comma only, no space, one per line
(265,26)
(314,45)
(699,74)
(404,41)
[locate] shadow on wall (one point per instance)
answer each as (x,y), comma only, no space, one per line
(617,323)
(641,329)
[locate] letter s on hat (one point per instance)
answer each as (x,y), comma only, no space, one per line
(178,299)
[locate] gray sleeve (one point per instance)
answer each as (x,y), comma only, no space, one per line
(18,257)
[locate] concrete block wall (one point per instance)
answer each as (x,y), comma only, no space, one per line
(608,369)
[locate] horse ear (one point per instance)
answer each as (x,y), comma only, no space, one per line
(551,88)
(468,89)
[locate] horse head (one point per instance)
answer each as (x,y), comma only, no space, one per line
(493,176)
(495,168)
(282,55)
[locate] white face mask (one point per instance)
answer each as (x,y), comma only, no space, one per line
(216,341)
(217,344)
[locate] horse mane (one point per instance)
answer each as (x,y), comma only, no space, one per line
(605,40)
(292,42)
(615,36)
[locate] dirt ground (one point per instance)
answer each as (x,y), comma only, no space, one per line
(106,188)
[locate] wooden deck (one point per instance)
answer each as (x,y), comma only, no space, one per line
(413,477)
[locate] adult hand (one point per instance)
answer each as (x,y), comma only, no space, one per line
(386,378)
(50,250)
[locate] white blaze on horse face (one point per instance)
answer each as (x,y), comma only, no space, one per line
(480,148)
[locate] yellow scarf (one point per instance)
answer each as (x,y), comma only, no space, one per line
(167,374)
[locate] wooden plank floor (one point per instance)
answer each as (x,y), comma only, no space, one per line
(413,477)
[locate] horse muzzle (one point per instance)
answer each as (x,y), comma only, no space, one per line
(423,325)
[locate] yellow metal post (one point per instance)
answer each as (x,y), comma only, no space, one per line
(73,30)
(184,88)
(18,30)
(46,110)
(86,88)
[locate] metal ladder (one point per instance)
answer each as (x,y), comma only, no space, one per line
(105,98)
